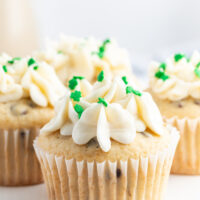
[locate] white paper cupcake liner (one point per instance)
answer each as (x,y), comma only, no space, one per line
(141,179)
(187,156)
(18,162)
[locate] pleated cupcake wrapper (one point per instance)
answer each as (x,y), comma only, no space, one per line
(18,162)
(187,156)
(142,179)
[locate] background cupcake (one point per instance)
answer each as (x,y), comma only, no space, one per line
(175,86)
(28,91)
(85,57)
(108,143)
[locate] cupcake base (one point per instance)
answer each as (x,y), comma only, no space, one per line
(141,179)
(18,162)
(187,156)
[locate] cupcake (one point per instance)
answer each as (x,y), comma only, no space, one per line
(85,57)
(107,143)
(28,91)
(175,86)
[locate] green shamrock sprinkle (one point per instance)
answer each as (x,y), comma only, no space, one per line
(124,78)
(100,77)
(161,72)
(13,60)
(102,101)
(161,75)
(197,70)
(73,83)
(5,68)
(79,109)
(76,95)
(78,77)
(59,52)
(162,66)
(102,49)
(36,67)
(31,61)
(178,57)
(129,89)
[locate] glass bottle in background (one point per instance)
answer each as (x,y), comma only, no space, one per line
(18,33)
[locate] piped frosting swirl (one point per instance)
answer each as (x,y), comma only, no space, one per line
(112,109)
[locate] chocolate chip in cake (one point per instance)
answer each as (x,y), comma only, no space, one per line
(22,134)
(18,109)
(179,104)
(93,143)
(197,102)
(118,173)
(32,104)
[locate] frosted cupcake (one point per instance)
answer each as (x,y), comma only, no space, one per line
(106,143)
(86,57)
(175,86)
(28,91)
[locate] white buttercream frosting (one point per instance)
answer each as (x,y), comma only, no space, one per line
(117,115)
(37,81)
(78,56)
(182,82)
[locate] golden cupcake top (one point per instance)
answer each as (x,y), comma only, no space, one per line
(85,57)
(177,78)
(26,78)
(110,109)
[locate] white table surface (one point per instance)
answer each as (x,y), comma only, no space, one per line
(179,188)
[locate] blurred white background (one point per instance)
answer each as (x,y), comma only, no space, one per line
(145,27)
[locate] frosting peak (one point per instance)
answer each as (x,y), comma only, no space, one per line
(177,78)
(108,111)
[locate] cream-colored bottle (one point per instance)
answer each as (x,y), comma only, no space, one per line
(18,33)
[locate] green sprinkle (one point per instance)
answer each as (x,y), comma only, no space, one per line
(129,89)
(60,52)
(102,101)
(31,61)
(162,66)
(100,77)
(198,65)
(178,57)
(106,41)
(76,95)
(79,77)
(102,49)
(197,70)
(4,68)
(13,60)
(36,67)
(124,78)
(73,83)
(161,75)
(79,109)
(161,72)
(101,54)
